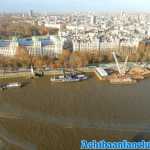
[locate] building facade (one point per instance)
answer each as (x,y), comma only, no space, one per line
(36,46)
(53,45)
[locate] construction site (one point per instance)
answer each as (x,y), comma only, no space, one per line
(122,72)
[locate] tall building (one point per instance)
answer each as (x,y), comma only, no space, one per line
(31,13)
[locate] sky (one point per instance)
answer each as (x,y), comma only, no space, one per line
(74,5)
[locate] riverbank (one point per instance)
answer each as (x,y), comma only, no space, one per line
(28,74)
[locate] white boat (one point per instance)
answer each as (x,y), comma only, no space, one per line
(11,85)
(64,80)
(69,78)
(82,77)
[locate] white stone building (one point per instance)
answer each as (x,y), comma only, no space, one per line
(8,48)
(42,45)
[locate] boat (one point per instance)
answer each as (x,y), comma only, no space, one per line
(37,73)
(122,81)
(11,85)
(137,77)
(81,77)
(71,77)
(139,71)
(101,73)
(63,79)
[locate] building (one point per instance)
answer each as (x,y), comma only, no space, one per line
(8,48)
(144,45)
(53,45)
(36,46)
(31,13)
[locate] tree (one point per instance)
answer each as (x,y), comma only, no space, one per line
(78,59)
(22,55)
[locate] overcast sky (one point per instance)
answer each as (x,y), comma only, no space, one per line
(74,5)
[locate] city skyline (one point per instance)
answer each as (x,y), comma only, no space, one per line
(74,5)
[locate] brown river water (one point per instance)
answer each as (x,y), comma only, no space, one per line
(56,116)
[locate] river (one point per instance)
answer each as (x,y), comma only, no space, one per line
(56,116)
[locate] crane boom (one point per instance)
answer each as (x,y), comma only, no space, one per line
(117,64)
(125,65)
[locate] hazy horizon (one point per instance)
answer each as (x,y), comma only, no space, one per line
(75,5)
